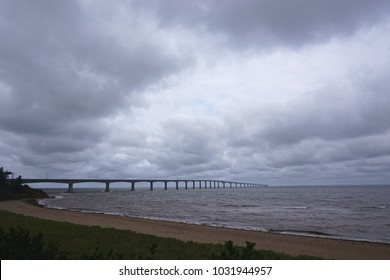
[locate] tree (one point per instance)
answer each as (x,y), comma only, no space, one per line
(3,178)
(14,189)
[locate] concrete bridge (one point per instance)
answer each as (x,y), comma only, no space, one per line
(187,183)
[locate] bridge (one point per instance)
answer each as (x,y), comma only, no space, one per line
(210,183)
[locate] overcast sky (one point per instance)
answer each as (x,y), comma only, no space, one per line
(280,92)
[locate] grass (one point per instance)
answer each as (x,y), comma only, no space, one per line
(93,242)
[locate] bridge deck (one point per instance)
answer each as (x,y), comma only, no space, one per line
(216,183)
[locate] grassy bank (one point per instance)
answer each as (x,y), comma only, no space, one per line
(78,242)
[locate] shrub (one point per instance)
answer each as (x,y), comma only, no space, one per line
(17,244)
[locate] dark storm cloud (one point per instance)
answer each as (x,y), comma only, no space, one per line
(273,23)
(60,72)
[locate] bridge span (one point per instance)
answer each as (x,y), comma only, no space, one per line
(205,183)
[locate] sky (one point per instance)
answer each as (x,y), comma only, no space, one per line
(280,92)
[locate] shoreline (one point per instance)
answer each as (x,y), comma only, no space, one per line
(326,248)
(36,204)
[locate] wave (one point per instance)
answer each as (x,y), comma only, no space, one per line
(82,210)
(295,207)
(303,232)
(313,233)
(239,205)
(377,207)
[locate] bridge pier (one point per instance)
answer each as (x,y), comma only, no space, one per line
(193,185)
(132,186)
(177,185)
(151,185)
(165,185)
(107,187)
(70,188)
(186,186)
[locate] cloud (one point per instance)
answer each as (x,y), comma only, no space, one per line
(336,130)
(190,145)
(266,91)
(60,74)
(268,24)
(352,110)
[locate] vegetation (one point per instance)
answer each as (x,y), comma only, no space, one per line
(14,189)
(24,237)
(18,244)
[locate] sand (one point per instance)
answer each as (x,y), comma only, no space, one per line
(290,244)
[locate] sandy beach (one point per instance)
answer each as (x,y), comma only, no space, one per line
(290,244)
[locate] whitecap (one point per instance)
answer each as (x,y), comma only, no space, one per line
(295,207)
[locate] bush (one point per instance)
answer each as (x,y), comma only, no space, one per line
(17,244)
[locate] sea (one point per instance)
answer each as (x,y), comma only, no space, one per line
(339,212)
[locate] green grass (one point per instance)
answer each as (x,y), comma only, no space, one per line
(78,242)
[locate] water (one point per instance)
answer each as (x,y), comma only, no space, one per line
(341,212)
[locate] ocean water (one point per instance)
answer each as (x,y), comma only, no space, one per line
(341,212)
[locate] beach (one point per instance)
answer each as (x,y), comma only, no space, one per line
(290,244)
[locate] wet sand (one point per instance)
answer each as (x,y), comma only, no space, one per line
(289,244)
